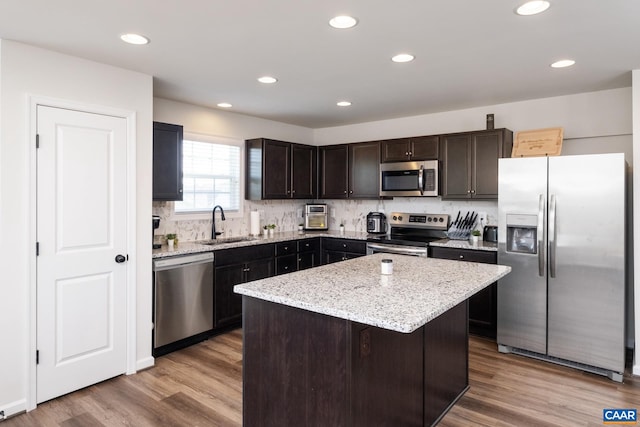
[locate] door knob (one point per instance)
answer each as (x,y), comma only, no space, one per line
(120,258)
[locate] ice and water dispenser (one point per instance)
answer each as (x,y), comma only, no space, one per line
(522,233)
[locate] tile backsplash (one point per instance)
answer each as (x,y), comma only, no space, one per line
(287,214)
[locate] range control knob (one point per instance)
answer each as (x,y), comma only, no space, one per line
(400,218)
(440,219)
(395,218)
(429,219)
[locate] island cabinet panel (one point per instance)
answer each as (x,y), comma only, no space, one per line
(167,161)
(335,250)
(232,267)
(446,362)
(294,367)
(470,163)
(483,311)
(304,368)
(384,379)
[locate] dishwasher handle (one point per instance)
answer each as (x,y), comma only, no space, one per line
(179,261)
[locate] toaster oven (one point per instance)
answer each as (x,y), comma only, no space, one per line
(315,217)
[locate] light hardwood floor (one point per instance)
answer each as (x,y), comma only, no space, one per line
(202,386)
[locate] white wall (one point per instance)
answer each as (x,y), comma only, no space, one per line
(583,115)
(28,71)
(212,122)
(636,213)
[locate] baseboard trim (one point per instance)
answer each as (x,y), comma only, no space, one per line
(14,408)
(145,363)
(636,370)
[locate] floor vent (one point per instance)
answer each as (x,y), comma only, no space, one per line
(614,376)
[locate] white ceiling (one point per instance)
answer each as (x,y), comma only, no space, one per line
(468,52)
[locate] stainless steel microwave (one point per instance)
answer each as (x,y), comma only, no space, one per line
(409,179)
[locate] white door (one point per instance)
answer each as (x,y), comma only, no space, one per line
(81,229)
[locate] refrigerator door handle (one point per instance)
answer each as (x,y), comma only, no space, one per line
(552,236)
(541,250)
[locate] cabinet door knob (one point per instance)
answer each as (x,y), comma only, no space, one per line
(345,191)
(344,245)
(307,245)
(286,248)
(351,192)
(461,256)
(406,153)
(410,153)
(246,269)
(286,267)
(473,191)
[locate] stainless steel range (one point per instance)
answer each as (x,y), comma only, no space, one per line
(410,233)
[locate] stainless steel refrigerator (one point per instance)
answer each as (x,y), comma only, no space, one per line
(562,230)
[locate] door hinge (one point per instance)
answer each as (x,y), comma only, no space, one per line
(37,248)
(37,357)
(37,141)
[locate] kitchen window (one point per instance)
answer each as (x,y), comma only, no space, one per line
(211,174)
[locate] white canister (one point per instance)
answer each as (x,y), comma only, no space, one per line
(386,266)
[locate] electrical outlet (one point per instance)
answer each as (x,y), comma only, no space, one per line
(261,212)
(482,219)
(333,213)
(299,213)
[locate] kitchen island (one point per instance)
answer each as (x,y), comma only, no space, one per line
(343,345)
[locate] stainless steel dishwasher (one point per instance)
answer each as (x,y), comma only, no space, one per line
(183,298)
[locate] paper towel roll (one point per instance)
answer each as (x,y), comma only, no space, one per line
(255,223)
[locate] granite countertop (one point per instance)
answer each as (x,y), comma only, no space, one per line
(185,248)
(465,244)
(419,290)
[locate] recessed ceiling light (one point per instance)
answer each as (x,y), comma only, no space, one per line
(225,105)
(343,103)
(132,38)
(533,7)
(343,21)
(563,63)
(267,79)
(403,57)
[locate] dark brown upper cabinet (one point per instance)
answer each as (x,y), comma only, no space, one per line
(470,163)
(167,161)
(350,171)
(406,149)
(280,170)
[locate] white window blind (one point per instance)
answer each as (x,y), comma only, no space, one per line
(211,176)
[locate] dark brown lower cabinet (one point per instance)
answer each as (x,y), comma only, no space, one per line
(303,368)
(335,250)
(309,254)
(483,312)
(230,272)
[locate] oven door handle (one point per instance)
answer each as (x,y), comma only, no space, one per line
(401,250)
(421,180)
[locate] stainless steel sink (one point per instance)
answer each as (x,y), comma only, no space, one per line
(229,240)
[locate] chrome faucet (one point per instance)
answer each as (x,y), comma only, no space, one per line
(213,221)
